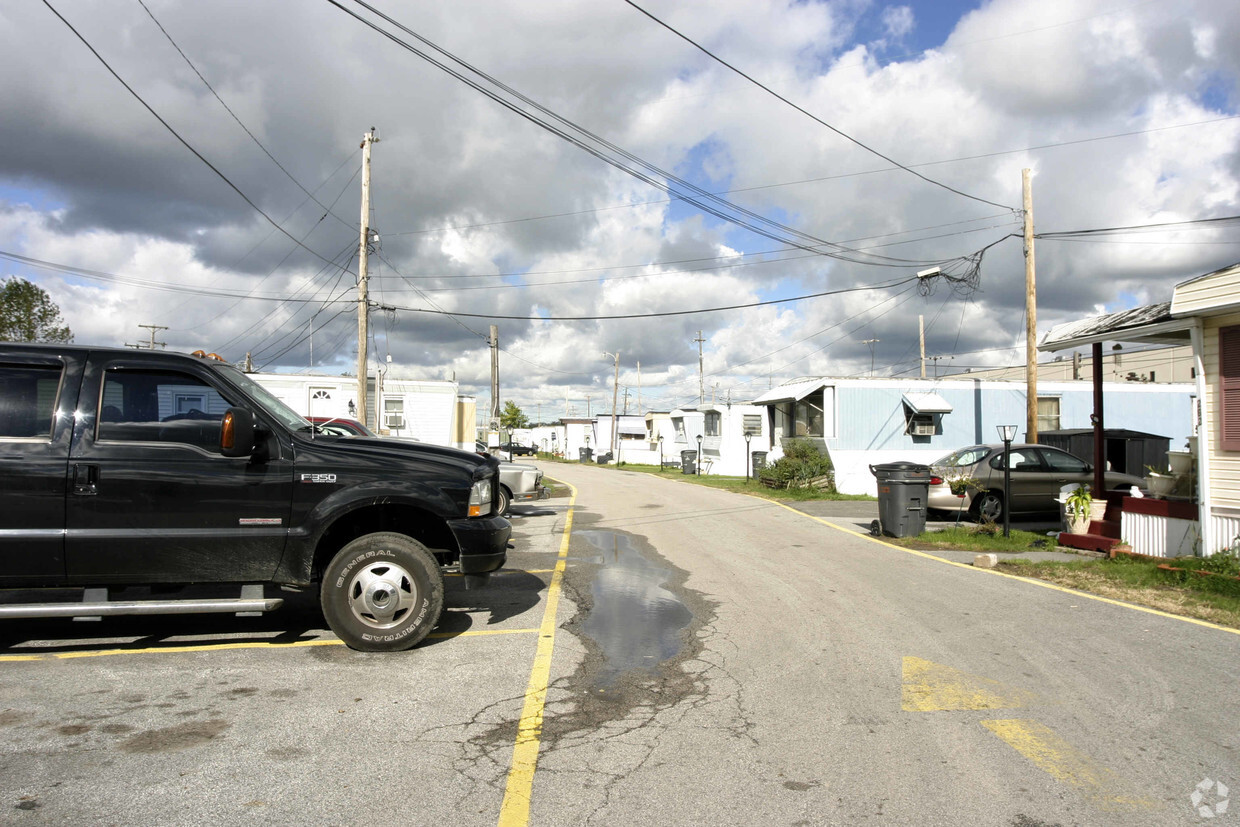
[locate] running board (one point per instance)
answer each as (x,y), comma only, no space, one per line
(111,608)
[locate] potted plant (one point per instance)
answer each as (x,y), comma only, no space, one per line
(1159,485)
(1077,510)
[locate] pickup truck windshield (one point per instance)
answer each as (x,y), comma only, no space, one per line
(287,416)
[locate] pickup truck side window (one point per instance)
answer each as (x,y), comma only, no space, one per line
(28,400)
(160,406)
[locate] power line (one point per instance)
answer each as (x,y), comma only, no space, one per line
(810,115)
(606,151)
(177,135)
(257,142)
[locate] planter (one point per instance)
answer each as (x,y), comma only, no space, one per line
(1159,485)
(1181,462)
(1077,523)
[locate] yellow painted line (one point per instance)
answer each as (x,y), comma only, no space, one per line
(215,647)
(933,687)
(1063,762)
(1052,586)
(515,810)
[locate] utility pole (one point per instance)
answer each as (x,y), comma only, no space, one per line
(493,426)
(701,372)
(588,398)
(626,400)
(1031,315)
(615,393)
(153,343)
(639,389)
(921,335)
(363,300)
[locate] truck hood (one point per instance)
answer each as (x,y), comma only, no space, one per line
(399,449)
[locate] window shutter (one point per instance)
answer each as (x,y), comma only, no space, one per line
(1229,387)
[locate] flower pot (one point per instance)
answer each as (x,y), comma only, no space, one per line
(1159,485)
(1181,462)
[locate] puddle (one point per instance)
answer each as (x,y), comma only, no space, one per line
(633,619)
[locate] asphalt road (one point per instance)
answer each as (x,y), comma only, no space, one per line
(704,658)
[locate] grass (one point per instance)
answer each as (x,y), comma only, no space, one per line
(1139,581)
(741,485)
(980,538)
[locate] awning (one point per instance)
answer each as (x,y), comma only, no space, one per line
(791,392)
(1152,324)
(630,426)
(927,403)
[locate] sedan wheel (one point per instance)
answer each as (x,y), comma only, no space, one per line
(988,506)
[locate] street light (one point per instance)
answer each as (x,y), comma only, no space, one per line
(748,436)
(660,453)
(510,443)
(699,455)
(553,446)
(1007,433)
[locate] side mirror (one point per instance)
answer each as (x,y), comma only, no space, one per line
(238,433)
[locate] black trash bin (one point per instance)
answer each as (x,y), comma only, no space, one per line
(603,459)
(759,461)
(903,489)
(585,454)
(687,464)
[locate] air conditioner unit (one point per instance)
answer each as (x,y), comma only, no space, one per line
(922,429)
(396,421)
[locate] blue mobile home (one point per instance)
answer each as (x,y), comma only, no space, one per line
(862,422)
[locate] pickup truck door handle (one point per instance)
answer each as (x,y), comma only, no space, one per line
(85,480)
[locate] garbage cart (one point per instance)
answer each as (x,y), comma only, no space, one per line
(903,488)
(688,462)
(585,454)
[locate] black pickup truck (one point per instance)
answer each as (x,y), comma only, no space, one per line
(124,469)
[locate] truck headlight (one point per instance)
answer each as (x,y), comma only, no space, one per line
(480,498)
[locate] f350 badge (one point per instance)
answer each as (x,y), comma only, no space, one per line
(318,478)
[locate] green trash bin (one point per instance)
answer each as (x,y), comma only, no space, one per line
(903,489)
(688,460)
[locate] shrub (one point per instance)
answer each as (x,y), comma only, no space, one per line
(801,466)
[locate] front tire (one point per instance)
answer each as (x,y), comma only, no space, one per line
(988,506)
(383,592)
(505,500)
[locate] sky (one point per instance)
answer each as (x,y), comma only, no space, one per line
(767,178)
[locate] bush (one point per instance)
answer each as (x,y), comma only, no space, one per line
(801,466)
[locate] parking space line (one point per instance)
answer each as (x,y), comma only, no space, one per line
(211,647)
(515,810)
(1030,580)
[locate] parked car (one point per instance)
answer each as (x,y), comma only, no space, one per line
(1038,473)
(518,481)
(155,470)
(518,450)
(339,426)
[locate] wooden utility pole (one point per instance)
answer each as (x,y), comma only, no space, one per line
(493,425)
(921,335)
(639,390)
(615,393)
(701,371)
(363,299)
(1031,315)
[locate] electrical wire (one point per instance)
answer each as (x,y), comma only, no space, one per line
(810,115)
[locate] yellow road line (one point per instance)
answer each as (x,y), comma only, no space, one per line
(1053,586)
(212,647)
(515,811)
(1065,763)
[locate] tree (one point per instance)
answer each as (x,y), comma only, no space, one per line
(28,314)
(512,417)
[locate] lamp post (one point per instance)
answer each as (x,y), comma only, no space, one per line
(1007,433)
(510,444)
(699,455)
(660,453)
(588,457)
(748,436)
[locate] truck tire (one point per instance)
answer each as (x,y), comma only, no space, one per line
(505,500)
(383,592)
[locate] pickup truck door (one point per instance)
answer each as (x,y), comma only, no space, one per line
(151,497)
(38,393)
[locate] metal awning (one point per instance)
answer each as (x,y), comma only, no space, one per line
(1152,323)
(925,402)
(791,392)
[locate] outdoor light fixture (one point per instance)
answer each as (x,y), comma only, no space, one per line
(699,455)
(352,409)
(1007,433)
(660,453)
(748,436)
(510,444)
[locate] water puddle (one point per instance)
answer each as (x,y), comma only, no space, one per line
(633,619)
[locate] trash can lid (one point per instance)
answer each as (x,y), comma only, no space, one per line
(900,470)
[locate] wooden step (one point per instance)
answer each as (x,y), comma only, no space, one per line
(1088,542)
